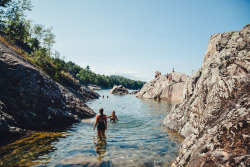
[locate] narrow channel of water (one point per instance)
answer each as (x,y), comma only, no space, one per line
(135,140)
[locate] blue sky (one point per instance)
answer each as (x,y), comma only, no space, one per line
(134,38)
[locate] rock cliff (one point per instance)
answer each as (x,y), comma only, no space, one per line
(31,100)
(161,87)
(215,117)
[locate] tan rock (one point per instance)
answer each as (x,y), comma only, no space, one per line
(119,90)
(214,117)
(164,89)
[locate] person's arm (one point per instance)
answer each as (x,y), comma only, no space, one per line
(116,117)
(108,116)
(106,123)
(96,120)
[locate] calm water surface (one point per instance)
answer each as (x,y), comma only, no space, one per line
(135,140)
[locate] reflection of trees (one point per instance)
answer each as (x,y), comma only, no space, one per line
(100,144)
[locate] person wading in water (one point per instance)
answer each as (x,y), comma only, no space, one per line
(113,117)
(101,122)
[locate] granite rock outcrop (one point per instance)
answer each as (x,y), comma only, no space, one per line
(214,118)
(120,90)
(134,92)
(31,100)
(164,88)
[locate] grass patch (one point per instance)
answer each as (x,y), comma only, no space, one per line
(232,33)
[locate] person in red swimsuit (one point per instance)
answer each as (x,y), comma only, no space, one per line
(101,122)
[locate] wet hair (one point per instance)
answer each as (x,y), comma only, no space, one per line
(113,111)
(101,112)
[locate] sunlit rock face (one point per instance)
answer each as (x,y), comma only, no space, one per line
(31,100)
(120,90)
(215,115)
(165,88)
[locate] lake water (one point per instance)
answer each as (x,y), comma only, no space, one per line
(135,140)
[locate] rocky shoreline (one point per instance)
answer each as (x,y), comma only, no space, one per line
(214,118)
(31,100)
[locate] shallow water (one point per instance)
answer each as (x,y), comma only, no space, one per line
(135,140)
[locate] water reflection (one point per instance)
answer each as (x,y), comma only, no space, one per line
(101,146)
(135,140)
(26,150)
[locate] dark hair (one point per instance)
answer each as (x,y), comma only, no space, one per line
(101,112)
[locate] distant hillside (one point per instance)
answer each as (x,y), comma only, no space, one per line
(87,76)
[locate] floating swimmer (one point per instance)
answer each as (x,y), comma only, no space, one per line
(113,117)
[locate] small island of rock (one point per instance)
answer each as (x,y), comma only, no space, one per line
(120,90)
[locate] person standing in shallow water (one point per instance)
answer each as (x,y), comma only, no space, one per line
(101,123)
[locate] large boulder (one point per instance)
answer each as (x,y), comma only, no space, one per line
(120,90)
(163,88)
(214,117)
(31,100)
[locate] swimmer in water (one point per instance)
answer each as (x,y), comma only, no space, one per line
(101,122)
(113,117)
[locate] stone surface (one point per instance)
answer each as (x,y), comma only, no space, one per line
(31,100)
(165,89)
(215,115)
(94,87)
(134,92)
(120,90)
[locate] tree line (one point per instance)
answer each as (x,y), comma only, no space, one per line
(37,42)
(87,76)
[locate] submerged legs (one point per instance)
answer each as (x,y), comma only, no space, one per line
(101,133)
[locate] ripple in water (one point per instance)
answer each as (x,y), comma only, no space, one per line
(135,140)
